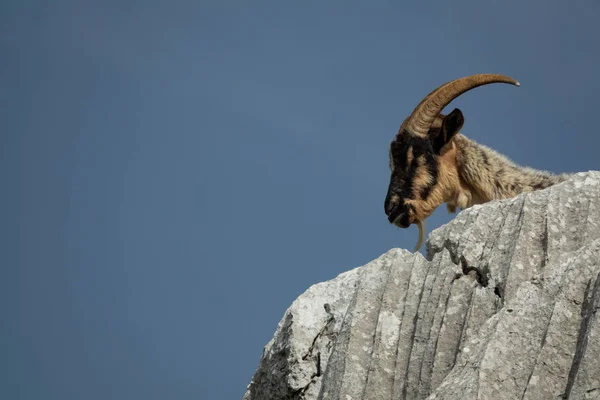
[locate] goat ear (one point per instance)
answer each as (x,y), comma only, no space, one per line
(451,125)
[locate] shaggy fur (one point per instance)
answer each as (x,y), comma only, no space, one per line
(447,167)
(488,175)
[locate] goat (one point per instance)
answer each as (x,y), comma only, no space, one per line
(432,163)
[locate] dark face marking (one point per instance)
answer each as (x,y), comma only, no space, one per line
(410,155)
(413,158)
(432,169)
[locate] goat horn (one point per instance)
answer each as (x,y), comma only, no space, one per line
(429,108)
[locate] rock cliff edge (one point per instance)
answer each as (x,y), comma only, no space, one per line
(505,306)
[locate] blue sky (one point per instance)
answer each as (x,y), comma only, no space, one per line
(176,173)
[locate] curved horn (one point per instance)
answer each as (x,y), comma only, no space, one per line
(425,113)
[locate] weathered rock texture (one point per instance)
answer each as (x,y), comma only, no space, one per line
(504,307)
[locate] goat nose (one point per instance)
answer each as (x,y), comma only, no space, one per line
(388,209)
(391,207)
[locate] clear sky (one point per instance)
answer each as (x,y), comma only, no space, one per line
(175,173)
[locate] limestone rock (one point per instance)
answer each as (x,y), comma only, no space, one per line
(505,306)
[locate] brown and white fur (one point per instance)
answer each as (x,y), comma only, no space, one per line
(444,166)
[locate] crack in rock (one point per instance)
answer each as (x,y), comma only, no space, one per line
(504,306)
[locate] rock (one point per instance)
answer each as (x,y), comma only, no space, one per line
(505,306)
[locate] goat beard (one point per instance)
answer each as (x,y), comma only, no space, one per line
(421,226)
